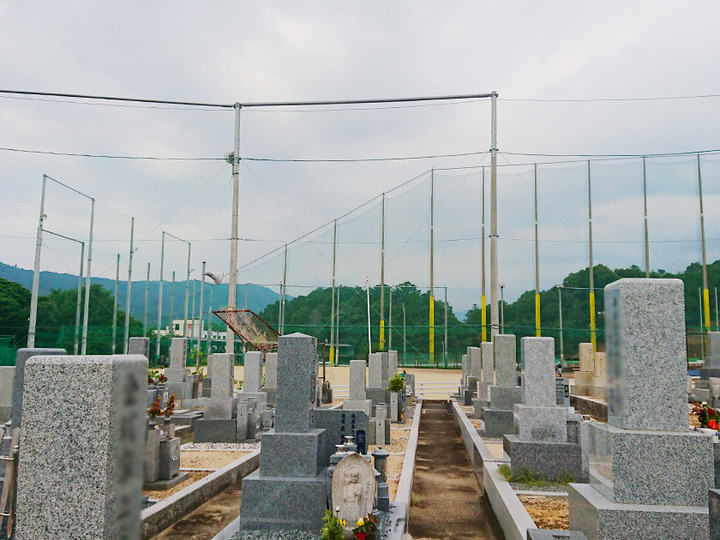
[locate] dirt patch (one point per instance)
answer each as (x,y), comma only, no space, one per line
(161,494)
(477,424)
(207,520)
(216,459)
(446,500)
(548,512)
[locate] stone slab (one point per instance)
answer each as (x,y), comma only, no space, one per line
(554,534)
(293,455)
(297,373)
(714,507)
(587,357)
(645,326)
(271,364)
(498,423)
(85,457)
(375,371)
(488,362)
(169,458)
(554,460)
(538,357)
(259,398)
(357,380)
(267,503)
(378,395)
(23,355)
(713,355)
(7,379)
(178,353)
(651,467)
(221,431)
(253,371)
(364,405)
(392,363)
(221,409)
(600,364)
(162,485)
(220,371)
(599,518)
(474,355)
(338,423)
(139,345)
(540,423)
(505,397)
(505,359)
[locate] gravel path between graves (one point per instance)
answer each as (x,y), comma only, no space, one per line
(446,501)
(162,494)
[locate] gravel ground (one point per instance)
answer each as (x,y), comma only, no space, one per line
(203,459)
(243,447)
(276,535)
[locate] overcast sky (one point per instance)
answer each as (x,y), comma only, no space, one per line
(226,52)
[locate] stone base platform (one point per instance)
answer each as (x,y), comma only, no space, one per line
(478,405)
(549,458)
(497,423)
(162,485)
(601,519)
(267,502)
(221,431)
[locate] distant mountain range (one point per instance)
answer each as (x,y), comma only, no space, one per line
(258,297)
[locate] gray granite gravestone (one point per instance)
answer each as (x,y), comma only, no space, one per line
(81,467)
(219,423)
(584,377)
(392,363)
(270,386)
(294,458)
(23,355)
(179,380)
(487,358)
(499,417)
(375,371)
(139,345)
(358,393)
(649,474)
(465,372)
(540,442)
(7,379)
(252,380)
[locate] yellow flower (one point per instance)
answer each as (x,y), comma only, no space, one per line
(360,522)
(342,521)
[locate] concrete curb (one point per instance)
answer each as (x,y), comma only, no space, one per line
(404,490)
(161,515)
(509,511)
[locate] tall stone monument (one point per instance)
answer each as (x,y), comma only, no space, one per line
(358,392)
(289,490)
(540,442)
(81,465)
(252,380)
(23,355)
(649,474)
(499,417)
(488,376)
(219,423)
(270,386)
(179,379)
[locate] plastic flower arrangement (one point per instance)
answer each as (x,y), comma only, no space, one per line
(333,527)
(366,528)
(707,416)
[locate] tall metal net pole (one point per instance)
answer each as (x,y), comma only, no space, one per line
(36,268)
(591,296)
(382,277)
(705,292)
(232,287)
(494,284)
(76,344)
(160,295)
(431,318)
(483,299)
(126,338)
(538,332)
(147,301)
(645,218)
(83,343)
(332,299)
(115,305)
